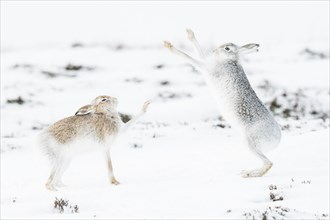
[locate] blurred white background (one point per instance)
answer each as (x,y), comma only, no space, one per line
(26,23)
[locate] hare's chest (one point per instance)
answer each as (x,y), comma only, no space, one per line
(221,87)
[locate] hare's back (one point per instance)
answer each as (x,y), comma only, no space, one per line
(69,128)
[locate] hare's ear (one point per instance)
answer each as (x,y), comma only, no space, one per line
(248,48)
(85,110)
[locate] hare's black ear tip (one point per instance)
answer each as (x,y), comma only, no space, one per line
(77,113)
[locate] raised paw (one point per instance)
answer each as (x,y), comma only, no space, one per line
(190,34)
(114,181)
(145,106)
(168,45)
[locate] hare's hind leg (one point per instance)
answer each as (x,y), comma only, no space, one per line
(54,180)
(62,168)
(50,182)
(110,169)
(267,164)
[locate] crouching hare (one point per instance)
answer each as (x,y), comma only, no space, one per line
(235,98)
(93,127)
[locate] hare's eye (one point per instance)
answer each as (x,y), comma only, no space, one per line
(227,48)
(103,100)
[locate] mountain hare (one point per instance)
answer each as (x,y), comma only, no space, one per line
(236,99)
(97,125)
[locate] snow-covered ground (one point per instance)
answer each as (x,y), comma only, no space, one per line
(181,160)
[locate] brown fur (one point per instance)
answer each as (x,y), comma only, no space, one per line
(98,124)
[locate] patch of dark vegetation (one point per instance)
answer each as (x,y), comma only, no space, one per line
(312,54)
(276,212)
(17,100)
(286,127)
(159,66)
(135,145)
(296,105)
(274,105)
(74,67)
(272,187)
(286,113)
(77,45)
(120,47)
(134,80)
(63,205)
(70,70)
(220,125)
(164,83)
(218,122)
(167,95)
(306,182)
(24,66)
(51,74)
(324,215)
(274,195)
(125,117)
(39,126)
(116,47)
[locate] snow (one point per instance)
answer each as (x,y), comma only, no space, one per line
(181,160)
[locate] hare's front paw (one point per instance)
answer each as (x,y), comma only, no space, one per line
(190,34)
(168,45)
(114,181)
(145,106)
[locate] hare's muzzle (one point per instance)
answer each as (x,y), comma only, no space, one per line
(113,102)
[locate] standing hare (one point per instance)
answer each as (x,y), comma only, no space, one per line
(97,125)
(235,98)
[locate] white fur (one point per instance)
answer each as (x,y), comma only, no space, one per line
(234,97)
